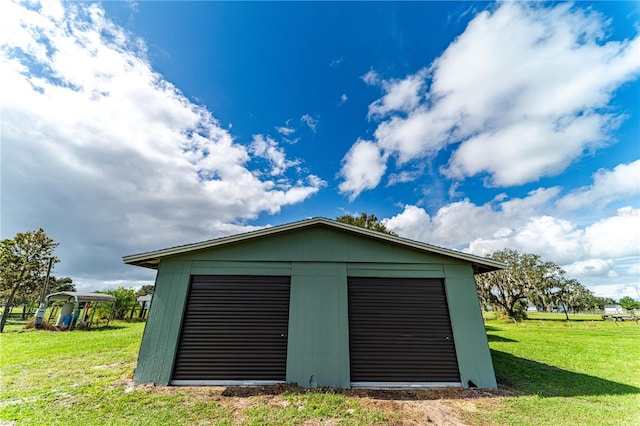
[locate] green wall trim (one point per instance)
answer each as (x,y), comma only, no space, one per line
(318,347)
(212,264)
(390,273)
(472,347)
(396,270)
(396,266)
(161,333)
(241,271)
(226,267)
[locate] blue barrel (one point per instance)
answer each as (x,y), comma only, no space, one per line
(66,320)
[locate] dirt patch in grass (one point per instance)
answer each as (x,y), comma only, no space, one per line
(399,406)
(373,393)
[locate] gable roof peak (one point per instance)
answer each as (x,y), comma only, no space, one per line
(152,259)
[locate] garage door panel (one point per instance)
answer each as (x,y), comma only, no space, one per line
(234,328)
(400,331)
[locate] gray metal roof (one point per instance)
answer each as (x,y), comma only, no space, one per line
(81,297)
(145,298)
(152,259)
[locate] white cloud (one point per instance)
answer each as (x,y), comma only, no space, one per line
(608,185)
(267,148)
(335,63)
(453,191)
(589,267)
(455,224)
(285,130)
(403,177)
(400,96)
(316,182)
(555,239)
(362,168)
(528,149)
(524,91)
(309,121)
(343,99)
(108,156)
(603,254)
(606,250)
(565,243)
(617,236)
(597,255)
(371,78)
(616,290)
(421,134)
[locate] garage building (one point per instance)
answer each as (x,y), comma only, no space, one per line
(316,303)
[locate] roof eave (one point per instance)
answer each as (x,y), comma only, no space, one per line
(152,259)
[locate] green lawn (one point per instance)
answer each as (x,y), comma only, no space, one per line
(565,373)
(577,373)
(84,378)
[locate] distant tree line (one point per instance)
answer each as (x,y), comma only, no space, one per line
(528,279)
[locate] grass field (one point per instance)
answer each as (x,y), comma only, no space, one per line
(84,378)
(581,372)
(553,373)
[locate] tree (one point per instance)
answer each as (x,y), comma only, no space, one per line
(546,283)
(145,289)
(366,221)
(628,303)
(61,284)
(508,288)
(577,297)
(600,302)
(528,277)
(23,265)
(125,300)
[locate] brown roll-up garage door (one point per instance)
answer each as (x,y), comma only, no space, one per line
(400,331)
(234,329)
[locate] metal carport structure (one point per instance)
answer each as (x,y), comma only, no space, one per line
(78,299)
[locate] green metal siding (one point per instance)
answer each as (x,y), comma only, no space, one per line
(318,352)
(474,358)
(319,261)
(315,245)
(160,338)
(199,267)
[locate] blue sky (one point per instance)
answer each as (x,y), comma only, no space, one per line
(129,127)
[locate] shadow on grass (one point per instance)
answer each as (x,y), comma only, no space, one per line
(563,319)
(53,329)
(103,328)
(515,375)
(534,378)
(494,338)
